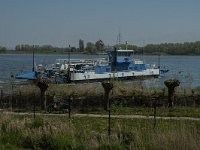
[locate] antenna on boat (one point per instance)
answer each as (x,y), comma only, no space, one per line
(159,59)
(119,38)
(126,45)
(69,56)
(33,69)
(68,72)
(143,50)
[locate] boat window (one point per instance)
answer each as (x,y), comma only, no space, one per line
(131,68)
(108,70)
(88,68)
(124,54)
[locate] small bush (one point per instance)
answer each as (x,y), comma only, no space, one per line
(38,122)
(111,146)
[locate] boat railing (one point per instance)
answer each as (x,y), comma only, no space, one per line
(151,66)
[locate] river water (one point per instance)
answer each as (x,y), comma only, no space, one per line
(184,68)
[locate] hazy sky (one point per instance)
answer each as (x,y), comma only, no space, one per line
(64,22)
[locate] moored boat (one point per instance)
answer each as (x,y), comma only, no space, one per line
(120,64)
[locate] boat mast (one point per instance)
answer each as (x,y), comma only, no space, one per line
(69,56)
(33,69)
(159,60)
(126,45)
(119,39)
(68,72)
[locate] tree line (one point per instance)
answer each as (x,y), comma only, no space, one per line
(90,47)
(2,49)
(186,48)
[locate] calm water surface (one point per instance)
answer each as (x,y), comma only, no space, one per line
(185,68)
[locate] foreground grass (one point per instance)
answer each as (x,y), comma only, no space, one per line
(177,111)
(55,132)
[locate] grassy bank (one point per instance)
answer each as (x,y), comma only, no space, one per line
(91,96)
(54,132)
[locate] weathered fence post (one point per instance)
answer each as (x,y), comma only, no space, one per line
(69,109)
(154,113)
(193,97)
(12,90)
(43,85)
(171,84)
(155,97)
(20,99)
(1,98)
(107,88)
(12,98)
(34,105)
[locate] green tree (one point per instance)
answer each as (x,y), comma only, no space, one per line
(2,49)
(18,47)
(99,46)
(90,48)
(27,47)
(47,47)
(81,45)
(186,48)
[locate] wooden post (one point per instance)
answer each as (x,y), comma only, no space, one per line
(34,105)
(20,99)
(107,88)
(193,98)
(11,101)
(43,85)
(154,114)
(109,117)
(1,98)
(171,84)
(69,111)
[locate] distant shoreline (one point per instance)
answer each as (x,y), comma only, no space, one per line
(66,53)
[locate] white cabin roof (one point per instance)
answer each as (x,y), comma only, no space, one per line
(125,50)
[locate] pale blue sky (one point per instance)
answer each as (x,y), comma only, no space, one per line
(64,22)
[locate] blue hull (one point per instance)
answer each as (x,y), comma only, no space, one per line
(30,76)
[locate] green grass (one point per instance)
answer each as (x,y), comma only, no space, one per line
(177,111)
(54,132)
(9,147)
